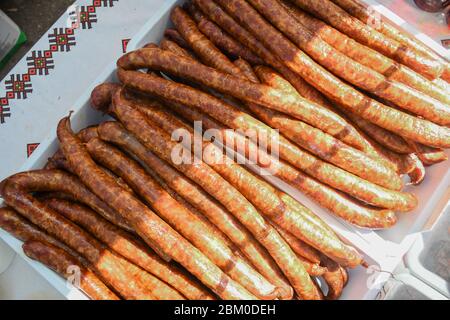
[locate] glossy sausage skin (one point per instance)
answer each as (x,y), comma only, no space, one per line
(62,263)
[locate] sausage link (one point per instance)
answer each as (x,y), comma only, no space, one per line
(220,38)
(299,247)
(57,180)
(367,56)
(175,36)
(204,236)
(57,161)
(340,129)
(263,196)
(61,262)
(384,137)
(151,228)
(358,10)
(129,247)
(324,146)
(428,155)
(350,70)
(337,203)
(416,129)
(294,105)
(188,30)
(161,144)
(216,213)
(236,119)
(334,278)
(418,173)
(114,270)
(341,20)
(24,230)
(169,45)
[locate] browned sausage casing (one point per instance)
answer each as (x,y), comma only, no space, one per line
(57,180)
(314,140)
(221,39)
(268,200)
(203,235)
(237,119)
(115,133)
(161,144)
(146,223)
(358,10)
(343,131)
(416,129)
(341,20)
(132,249)
(115,271)
(336,202)
(350,70)
(24,230)
(368,57)
(61,262)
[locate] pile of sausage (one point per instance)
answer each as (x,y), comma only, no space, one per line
(358,106)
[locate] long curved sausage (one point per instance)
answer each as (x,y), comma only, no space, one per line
(299,246)
(324,146)
(428,155)
(341,129)
(114,270)
(414,128)
(169,45)
(151,228)
(336,202)
(358,10)
(134,250)
(350,70)
(61,181)
(161,144)
(203,235)
(188,30)
(335,279)
(175,36)
(367,146)
(61,261)
(243,239)
(294,105)
(263,196)
(24,230)
(366,56)
(220,39)
(341,20)
(236,119)
(314,140)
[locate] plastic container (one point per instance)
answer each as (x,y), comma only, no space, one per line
(406,287)
(11,37)
(429,257)
(6,256)
(383,250)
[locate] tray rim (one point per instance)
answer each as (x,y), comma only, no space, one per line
(385,255)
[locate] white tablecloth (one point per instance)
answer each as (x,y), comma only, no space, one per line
(41,88)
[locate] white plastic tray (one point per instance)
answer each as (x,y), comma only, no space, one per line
(430,252)
(406,287)
(383,250)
